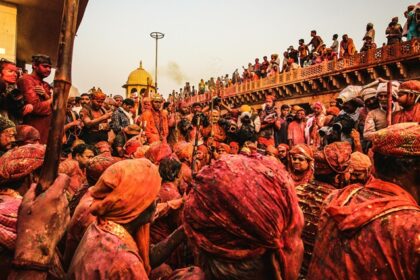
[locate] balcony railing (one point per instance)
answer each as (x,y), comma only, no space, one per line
(359,60)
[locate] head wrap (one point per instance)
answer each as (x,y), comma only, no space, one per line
(269,98)
(98,94)
(157,97)
(97,165)
(226,147)
(5,124)
(272,150)
(184,151)
(411,86)
(132,129)
(19,162)
(383,87)
(158,151)
(304,150)
(27,134)
(368,93)
(349,93)
(360,162)
(297,108)
(104,148)
(141,151)
(284,145)
(132,145)
(319,105)
(333,111)
(334,158)
(307,175)
(123,192)
(246,108)
(259,215)
(402,139)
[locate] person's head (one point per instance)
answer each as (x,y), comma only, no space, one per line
(98,99)
(283,151)
(265,58)
(71,102)
(369,26)
(7,134)
(313,33)
(350,106)
(397,156)
(8,71)
(244,226)
(128,104)
(300,115)
(196,107)
(215,116)
(83,153)
(382,93)
(301,158)
(369,98)
(41,65)
(317,108)
(285,110)
(409,93)
(169,169)
(360,168)
(335,37)
(257,60)
(269,101)
(394,20)
(234,148)
(184,108)
(223,149)
(345,37)
(332,164)
(118,100)
(157,101)
(26,134)
(301,41)
(84,99)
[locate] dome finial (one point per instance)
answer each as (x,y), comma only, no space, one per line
(141,64)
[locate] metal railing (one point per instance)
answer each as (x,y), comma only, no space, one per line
(360,60)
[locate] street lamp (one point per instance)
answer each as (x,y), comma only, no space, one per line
(156,36)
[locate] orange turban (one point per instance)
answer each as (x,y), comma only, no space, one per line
(360,162)
(123,192)
(158,151)
(184,152)
(304,150)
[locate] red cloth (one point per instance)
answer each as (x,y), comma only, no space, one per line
(97,165)
(158,151)
(368,232)
(242,207)
(132,145)
(26,134)
(117,257)
(104,148)
(296,133)
(40,117)
(20,162)
(335,157)
(411,115)
(401,139)
(71,168)
(9,205)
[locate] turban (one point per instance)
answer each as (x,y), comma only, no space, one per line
(297,108)
(333,111)
(184,151)
(224,146)
(284,146)
(243,207)
(203,149)
(272,150)
(304,150)
(412,86)
(123,192)
(132,145)
(246,108)
(402,139)
(157,97)
(360,162)
(335,157)
(98,94)
(349,93)
(269,98)
(158,151)
(71,168)
(27,134)
(19,162)
(132,129)
(5,124)
(368,93)
(103,147)
(141,151)
(97,165)
(383,87)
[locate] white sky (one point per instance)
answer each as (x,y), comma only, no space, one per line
(209,38)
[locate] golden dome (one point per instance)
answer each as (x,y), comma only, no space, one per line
(139,77)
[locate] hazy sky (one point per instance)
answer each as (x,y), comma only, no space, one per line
(209,38)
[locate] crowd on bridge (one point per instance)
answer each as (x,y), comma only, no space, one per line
(155,189)
(307,54)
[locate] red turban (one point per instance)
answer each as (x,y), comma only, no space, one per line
(97,165)
(402,139)
(20,162)
(132,145)
(333,111)
(104,147)
(71,168)
(158,151)
(184,151)
(334,158)
(285,146)
(243,207)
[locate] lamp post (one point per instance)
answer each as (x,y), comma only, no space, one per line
(156,36)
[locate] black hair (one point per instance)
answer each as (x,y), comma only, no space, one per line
(81,148)
(85,94)
(166,105)
(284,106)
(313,31)
(335,36)
(129,102)
(389,167)
(301,40)
(169,169)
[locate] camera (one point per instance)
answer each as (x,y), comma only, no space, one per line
(200,119)
(290,118)
(325,131)
(343,124)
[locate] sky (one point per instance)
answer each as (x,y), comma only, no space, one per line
(206,39)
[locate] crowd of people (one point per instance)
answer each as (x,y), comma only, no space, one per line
(150,189)
(312,53)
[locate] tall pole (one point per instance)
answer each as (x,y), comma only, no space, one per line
(156,36)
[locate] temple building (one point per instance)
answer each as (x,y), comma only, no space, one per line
(139,81)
